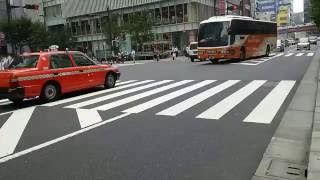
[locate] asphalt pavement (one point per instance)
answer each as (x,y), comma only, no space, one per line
(165,120)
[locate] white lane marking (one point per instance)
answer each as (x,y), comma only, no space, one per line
(11,131)
(310,54)
(88,117)
(272,54)
(255,61)
(279,55)
(121,93)
(140,96)
(125,82)
(289,54)
(5,103)
(249,64)
(147,105)
(184,105)
(46,144)
(95,93)
(224,106)
(299,54)
(122,65)
(269,106)
(3,100)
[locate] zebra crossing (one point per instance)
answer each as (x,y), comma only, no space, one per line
(138,96)
(254,62)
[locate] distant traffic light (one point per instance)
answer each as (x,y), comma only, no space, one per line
(32,6)
(232,8)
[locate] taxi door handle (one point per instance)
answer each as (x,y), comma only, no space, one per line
(56,74)
(80,70)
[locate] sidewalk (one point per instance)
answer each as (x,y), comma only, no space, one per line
(289,155)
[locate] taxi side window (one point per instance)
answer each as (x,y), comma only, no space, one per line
(60,61)
(81,60)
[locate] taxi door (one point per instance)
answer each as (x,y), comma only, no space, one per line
(65,72)
(88,68)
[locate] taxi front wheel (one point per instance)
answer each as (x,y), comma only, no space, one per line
(50,92)
(110,81)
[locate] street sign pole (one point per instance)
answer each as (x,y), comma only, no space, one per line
(9,23)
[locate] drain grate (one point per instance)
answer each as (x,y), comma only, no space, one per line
(286,170)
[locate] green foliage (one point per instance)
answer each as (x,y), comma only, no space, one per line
(18,31)
(24,32)
(112,28)
(140,27)
(315,11)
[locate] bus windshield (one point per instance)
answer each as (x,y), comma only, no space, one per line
(213,34)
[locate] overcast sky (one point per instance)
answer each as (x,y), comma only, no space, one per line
(297,6)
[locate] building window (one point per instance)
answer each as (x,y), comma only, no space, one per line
(172,15)
(97,25)
(74,28)
(185,10)
(179,8)
(53,11)
(165,14)
(78,29)
(158,16)
(85,27)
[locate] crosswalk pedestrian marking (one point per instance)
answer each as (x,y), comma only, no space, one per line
(96,93)
(140,96)
(3,100)
(224,106)
(126,82)
(310,54)
(88,117)
(299,54)
(165,98)
(278,55)
(289,54)
(118,94)
(11,131)
(184,105)
(269,106)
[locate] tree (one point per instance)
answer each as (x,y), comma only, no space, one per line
(39,37)
(140,28)
(62,38)
(112,29)
(315,11)
(17,32)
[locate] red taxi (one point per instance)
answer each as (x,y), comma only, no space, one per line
(48,75)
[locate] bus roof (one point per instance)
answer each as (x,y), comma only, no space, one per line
(229,18)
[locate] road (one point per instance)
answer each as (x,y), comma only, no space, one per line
(165,120)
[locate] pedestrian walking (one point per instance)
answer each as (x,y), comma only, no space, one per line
(133,55)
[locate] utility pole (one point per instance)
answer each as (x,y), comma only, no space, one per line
(214,7)
(9,23)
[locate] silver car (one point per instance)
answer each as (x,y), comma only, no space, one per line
(303,44)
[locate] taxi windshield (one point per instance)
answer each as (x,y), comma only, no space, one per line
(25,61)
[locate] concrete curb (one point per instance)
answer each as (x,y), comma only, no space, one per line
(314,154)
(286,156)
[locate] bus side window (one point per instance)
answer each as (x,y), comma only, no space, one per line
(232,39)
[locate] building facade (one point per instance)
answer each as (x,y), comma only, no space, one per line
(177,21)
(306,11)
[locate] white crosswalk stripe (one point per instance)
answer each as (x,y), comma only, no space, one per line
(220,109)
(3,100)
(88,117)
(140,96)
(269,106)
(118,94)
(165,98)
(299,54)
(310,54)
(179,108)
(289,54)
(12,129)
(96,93)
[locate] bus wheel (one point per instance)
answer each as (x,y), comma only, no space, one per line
(268,51)
(192,59)
(214,61)
(242,54)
